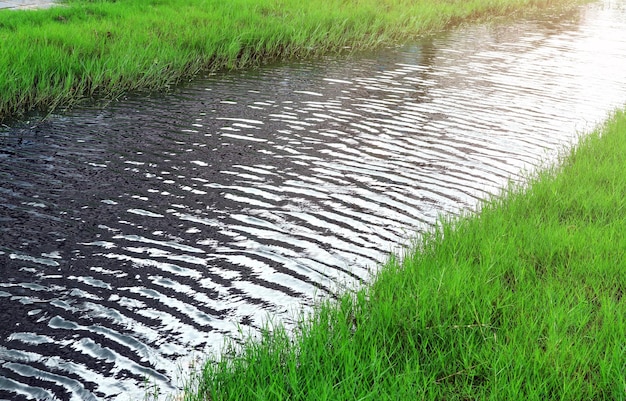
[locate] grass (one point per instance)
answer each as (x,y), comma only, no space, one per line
(521,301)
(102,49)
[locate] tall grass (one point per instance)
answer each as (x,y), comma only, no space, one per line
(522,301)
(100,49)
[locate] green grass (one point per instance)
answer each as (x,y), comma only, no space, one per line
(98,49)
(521,301)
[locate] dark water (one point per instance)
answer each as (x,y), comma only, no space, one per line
(135,238)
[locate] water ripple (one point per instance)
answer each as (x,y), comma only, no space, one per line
(133,237)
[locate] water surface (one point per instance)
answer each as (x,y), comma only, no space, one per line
(137,236)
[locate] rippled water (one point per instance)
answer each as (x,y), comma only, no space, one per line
(135,236)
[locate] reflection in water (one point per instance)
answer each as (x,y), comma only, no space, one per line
(133,236)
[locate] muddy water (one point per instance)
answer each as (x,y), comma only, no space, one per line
(135,236)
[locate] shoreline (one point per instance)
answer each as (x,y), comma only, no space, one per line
(87,52)
(522,300)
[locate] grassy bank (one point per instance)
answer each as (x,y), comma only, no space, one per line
(524,301)
(101,49)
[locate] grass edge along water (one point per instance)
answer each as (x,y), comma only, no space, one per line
(83,50)
(523,300)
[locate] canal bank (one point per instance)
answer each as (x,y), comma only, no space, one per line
(87,51)
(136,236)
(523,301)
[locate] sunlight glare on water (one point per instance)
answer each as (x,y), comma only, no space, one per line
(136,237)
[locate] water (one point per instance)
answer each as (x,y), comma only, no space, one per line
(136,237)
(25,4)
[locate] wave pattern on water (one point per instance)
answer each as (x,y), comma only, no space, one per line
(134,236)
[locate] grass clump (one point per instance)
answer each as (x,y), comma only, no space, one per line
(101,49)
(522,301)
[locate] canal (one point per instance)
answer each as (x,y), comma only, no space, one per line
(136,237)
